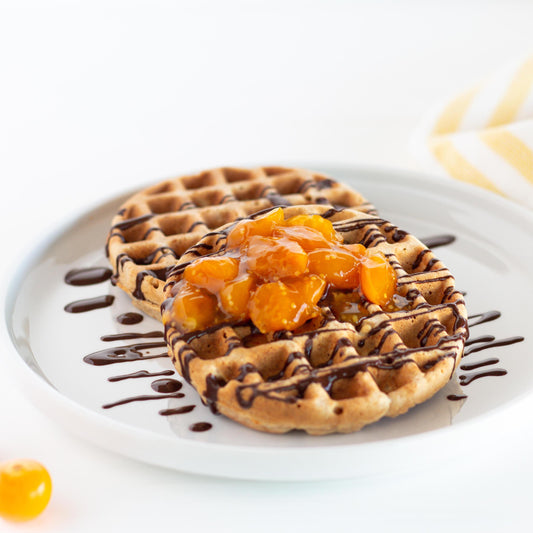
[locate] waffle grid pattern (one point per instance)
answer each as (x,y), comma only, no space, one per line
(153,229)
(330,375)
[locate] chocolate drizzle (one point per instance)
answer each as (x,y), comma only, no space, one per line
(132,222)
(177,411)
(124,354)
(130,318)
(166,385)
(87,276)
(456,397)
(200,426)
(467,379)
(142,398)
(140,374)
(132,335)
(479,364)
(493,344)
(482,318)
(89,304)
(481,343)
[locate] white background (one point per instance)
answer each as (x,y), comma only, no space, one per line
(99,97)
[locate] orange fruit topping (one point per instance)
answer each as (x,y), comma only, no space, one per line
(308,238)
(378,279)
(356,249)
(235,295)
(318,223)
(273,258)
(262,225)
(310,288)
(276,306)
(275,272)
(211,272)
(339,268)
(194,308)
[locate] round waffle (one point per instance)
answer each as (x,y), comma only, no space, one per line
(330,375)
(153,228)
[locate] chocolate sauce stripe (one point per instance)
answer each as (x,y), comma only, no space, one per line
(132,222)
(132,335)
(130,318)
(479,364)
(493,344)
(482,318)
(143,398)
(466,379)
(119,354)
(140,374)
(177,410)
(90,304)
(483,338)
(424,280)
(87,276)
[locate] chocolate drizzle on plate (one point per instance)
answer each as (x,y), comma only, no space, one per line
(142,398)
(129,319)
(87,276)
(166,385)
(467,379)
(200,426)
(456,397)
(124,354)
(177,411)
(132,335)
(90,304)
(484,342)
(140,374)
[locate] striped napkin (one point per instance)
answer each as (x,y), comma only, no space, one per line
(485,135)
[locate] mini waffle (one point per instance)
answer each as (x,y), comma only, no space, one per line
(154,227)
(330,375)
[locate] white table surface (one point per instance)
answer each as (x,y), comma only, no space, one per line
(95,100)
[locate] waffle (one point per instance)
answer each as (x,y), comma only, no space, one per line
(156,226)
(330,375)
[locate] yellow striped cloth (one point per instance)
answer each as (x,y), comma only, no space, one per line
(485,135)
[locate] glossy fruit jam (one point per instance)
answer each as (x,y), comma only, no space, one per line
(275,271)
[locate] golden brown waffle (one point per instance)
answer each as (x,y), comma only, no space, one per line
(331,375)
(154,227)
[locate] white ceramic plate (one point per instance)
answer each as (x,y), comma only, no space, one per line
(491,258)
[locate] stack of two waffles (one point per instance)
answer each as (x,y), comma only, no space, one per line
(333,373)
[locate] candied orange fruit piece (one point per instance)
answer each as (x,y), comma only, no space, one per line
(378,279)
(308,238)
(193,308)
(356,249)
(311,287)
(318,223)
(339,268)
(273,258)
(262,225)
(211,273)
(234,297)
(275,306)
